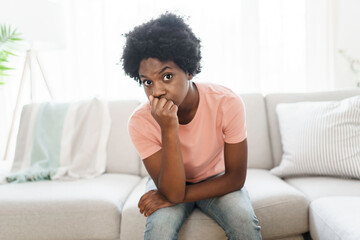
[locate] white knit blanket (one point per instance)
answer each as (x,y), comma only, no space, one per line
(61,141)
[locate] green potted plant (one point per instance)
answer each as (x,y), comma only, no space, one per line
(9,44)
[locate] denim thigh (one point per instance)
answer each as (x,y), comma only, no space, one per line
(234,213)
(165,223)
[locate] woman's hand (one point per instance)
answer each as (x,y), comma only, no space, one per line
(152,201)
(164,112)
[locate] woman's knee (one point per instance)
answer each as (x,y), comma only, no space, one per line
(165,223)
(246,227)
(241,222)
(236,215)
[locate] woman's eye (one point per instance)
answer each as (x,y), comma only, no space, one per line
(147,82)
(168,76)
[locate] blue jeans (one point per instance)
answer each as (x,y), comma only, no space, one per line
(233,212)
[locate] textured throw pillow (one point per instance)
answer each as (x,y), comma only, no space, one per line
(320,138)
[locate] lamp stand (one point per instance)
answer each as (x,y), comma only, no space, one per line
(30,56)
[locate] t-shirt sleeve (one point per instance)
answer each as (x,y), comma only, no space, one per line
(143,136)
(234,123)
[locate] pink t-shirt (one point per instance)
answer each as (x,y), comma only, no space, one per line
(220,118)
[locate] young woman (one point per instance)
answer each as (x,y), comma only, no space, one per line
(191,136)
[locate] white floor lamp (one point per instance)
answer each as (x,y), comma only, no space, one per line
(41,22)
(31,57)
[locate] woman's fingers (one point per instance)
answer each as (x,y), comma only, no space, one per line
(168,105)
(144,205)
(145,201)
(144,197)
(151,98)
(152,201)
(161,106)
(148,209)
(153,104)
(164,112)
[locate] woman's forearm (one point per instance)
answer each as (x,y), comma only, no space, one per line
(171,181)
(215,187)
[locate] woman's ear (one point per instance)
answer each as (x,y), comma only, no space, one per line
(190,76)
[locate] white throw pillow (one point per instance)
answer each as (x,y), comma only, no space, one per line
(320,138)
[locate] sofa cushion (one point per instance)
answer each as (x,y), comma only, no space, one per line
(257,132)
(81,209)
(119,144)
(51,145)
(335,218)
(272,100)
(320,138)
(122,156)
(281,209)
(317,187)
(133,223)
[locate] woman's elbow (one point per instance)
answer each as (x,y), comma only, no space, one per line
(175,198)
(173,195)
(237,182)
(240,184)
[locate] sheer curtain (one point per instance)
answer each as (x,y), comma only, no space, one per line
(96,42)
(249,46)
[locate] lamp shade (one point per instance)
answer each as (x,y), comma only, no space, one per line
(41,22)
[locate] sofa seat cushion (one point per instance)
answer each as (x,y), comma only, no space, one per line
(317,187)
(81,209)
(281,209)
(336,218)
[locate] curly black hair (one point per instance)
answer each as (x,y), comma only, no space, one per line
(165,38)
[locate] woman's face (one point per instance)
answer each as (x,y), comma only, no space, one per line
(164,79)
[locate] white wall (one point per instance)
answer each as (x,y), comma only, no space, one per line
(347,37)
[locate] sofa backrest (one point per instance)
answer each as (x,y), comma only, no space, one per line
(264,143)
(272,100)
(259,148)
(122,156)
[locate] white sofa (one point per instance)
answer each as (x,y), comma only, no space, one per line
(106,207)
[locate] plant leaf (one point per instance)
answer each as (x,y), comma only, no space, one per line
(16,39)
(2,67)
(9,53)
(8,44)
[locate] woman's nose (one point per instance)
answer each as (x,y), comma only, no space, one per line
(158,90)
